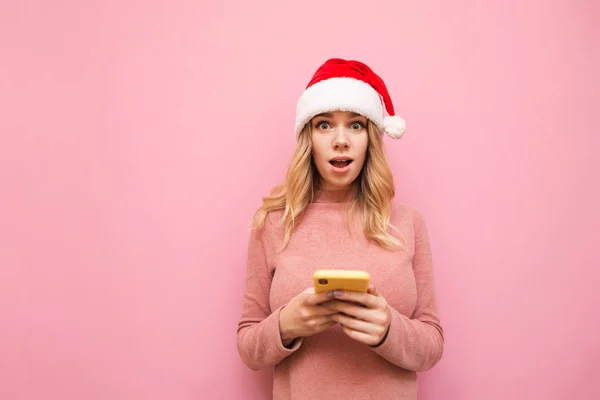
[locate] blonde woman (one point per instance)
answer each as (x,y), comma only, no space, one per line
(336,210)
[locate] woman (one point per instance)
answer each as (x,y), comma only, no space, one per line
(336,210)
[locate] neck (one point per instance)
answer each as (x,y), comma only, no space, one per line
(336,195)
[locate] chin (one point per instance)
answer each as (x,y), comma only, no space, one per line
(340,183)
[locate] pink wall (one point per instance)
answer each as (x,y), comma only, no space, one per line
(138,137)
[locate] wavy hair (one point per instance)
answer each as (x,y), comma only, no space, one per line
(374,190)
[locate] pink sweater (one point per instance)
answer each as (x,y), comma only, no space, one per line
(330,364)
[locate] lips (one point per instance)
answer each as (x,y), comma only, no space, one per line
(340,162)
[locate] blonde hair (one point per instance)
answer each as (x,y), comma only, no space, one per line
(374,190)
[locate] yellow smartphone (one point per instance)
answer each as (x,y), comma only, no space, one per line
(331,279)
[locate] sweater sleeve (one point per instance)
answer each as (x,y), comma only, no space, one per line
(416,343)
(258,338)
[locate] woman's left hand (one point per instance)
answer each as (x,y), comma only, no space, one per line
(368,324)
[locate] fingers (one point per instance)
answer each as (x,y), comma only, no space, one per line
(327,325)
(312,299)
(371,299)
(327,320)
(372,290)
(321,323)
(368,299)
(323,310)
(359,336)
(352,310)
(356,324)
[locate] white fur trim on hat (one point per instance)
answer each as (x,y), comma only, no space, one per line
(339,94)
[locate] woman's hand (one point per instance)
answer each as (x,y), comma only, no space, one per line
(304,316)
(368,324)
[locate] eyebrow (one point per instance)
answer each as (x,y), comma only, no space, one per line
(329,115)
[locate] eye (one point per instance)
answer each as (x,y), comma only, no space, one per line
(323,125)
(357,126)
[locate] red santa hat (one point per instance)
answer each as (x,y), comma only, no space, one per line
(346,85)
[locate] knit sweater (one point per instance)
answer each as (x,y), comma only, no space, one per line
(330,364)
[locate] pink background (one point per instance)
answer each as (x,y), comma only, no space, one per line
(137,138)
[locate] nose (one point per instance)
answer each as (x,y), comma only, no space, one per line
(341,141)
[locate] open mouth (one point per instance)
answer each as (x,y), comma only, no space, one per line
(340,162)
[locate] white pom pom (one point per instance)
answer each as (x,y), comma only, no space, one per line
(394,126)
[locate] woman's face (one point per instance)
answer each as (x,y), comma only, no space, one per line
(339,147)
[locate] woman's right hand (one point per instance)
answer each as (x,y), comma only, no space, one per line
(304,316)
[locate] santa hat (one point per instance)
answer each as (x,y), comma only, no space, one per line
(346,85)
